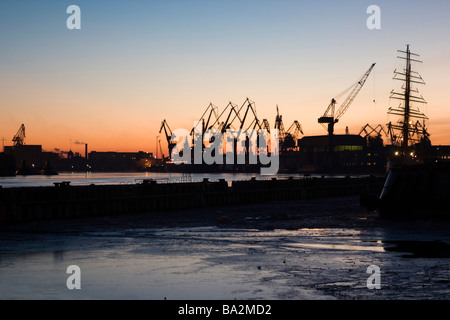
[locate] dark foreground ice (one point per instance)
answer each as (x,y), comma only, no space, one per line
(318,249)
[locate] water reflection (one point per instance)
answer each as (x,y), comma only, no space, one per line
(216,263)
(129,178)
(58,256)
(338,247)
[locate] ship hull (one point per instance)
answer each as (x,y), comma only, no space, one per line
(415,191)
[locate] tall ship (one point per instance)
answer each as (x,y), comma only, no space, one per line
(418,181)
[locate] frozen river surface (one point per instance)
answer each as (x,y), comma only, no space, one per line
(232,253)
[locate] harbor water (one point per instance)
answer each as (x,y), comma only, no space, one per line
(292,250)
(108,178)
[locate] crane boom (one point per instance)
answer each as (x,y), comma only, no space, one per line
(353,94)
(279,125)
(19,138)
(224,125)
(291,137)
(265,125)
(295,128)
(205,125)
(168,134)
(368,130)
(331,117)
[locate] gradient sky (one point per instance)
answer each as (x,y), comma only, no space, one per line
(135,63)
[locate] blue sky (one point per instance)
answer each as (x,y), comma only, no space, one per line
(135,63)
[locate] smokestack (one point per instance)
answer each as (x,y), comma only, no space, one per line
(85,151)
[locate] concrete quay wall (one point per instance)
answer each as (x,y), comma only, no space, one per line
(64,201)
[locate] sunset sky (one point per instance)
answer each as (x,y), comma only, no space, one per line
(135,63)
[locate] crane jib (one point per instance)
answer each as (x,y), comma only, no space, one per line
(331,117)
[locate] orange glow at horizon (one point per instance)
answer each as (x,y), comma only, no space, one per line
(113,82)
(104,122)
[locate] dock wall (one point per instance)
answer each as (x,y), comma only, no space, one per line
(64,201)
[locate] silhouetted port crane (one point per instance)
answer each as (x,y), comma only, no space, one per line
(227,124)
(168,134)
(373,136)
(19,138)
(237,114)
(295,129)
(279,125)
(206,124)
(255,122)
(250,107)
(330,117)
(265,125)
(159,148)
(203,124)
(369,130)
(291,136)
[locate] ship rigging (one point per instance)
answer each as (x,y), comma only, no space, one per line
(410,129)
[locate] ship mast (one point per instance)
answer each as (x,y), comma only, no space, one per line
(407,106)
(406,133)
